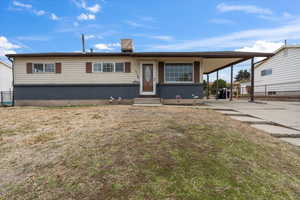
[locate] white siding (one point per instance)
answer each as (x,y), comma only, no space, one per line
(285,72)
(74,70)
(5,78)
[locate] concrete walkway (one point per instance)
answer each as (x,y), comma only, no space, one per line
(280,119)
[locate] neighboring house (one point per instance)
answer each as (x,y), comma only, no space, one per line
(95,78)
(279,75)
(5,77)
(245,87)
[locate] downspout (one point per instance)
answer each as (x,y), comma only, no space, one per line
(13,80)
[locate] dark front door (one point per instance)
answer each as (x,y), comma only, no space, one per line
(148,78)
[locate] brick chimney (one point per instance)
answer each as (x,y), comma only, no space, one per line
(127,45)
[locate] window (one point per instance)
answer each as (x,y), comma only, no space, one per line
(266,72)
(119,67)
(97,67)
(37,68)
(108,67)
(43,68)
(49,68)
(178,72)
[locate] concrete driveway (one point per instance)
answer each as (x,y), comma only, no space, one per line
(284,113)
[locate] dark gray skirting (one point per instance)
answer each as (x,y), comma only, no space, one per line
(102,91)
(186,91)
(76,92)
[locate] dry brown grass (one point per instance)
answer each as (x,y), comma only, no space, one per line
(124,152)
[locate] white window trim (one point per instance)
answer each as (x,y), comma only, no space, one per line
(179,82)
(44,65)
(114,67)
(93,67)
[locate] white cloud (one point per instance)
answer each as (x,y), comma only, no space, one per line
(262,46)
(163,37)
(23,5)
(30,8)
(287,15)
(32,38)
(7,47)
(90,37)
(157,37)
(283,18)
(102,47)
(222,21)
(39,12)
(133,23)
(223,7)
(84,16)
(94,9)
(54,17)
(238,39)
(138,24)
(82,4)
(106,47)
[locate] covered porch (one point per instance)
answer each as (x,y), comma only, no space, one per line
(215,64)
(155,70)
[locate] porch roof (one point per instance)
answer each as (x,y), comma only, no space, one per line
(212,61)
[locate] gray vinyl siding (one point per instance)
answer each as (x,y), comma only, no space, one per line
(76,92)
(102,91)
(185,91)
(285,75)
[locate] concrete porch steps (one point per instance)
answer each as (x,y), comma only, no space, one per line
(147,101)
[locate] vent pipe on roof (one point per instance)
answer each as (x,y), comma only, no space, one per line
(83,43)
(285,42)
(126,45)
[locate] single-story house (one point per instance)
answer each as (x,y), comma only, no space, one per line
(5,83)
(5,77)
(245,88)
(94,78)
(279,75)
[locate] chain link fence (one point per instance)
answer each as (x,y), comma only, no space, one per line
(276,90)
(6,98)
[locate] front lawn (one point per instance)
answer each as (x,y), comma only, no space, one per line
(125,152)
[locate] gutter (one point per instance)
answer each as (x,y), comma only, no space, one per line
(13,80)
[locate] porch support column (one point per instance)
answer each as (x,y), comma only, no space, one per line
(217,92)
(252,81)
(207,86)
(231,85)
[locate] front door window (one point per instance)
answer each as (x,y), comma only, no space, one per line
(148,86)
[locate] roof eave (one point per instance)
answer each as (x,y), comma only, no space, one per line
(150,54)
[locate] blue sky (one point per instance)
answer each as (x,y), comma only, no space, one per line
(156,25)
